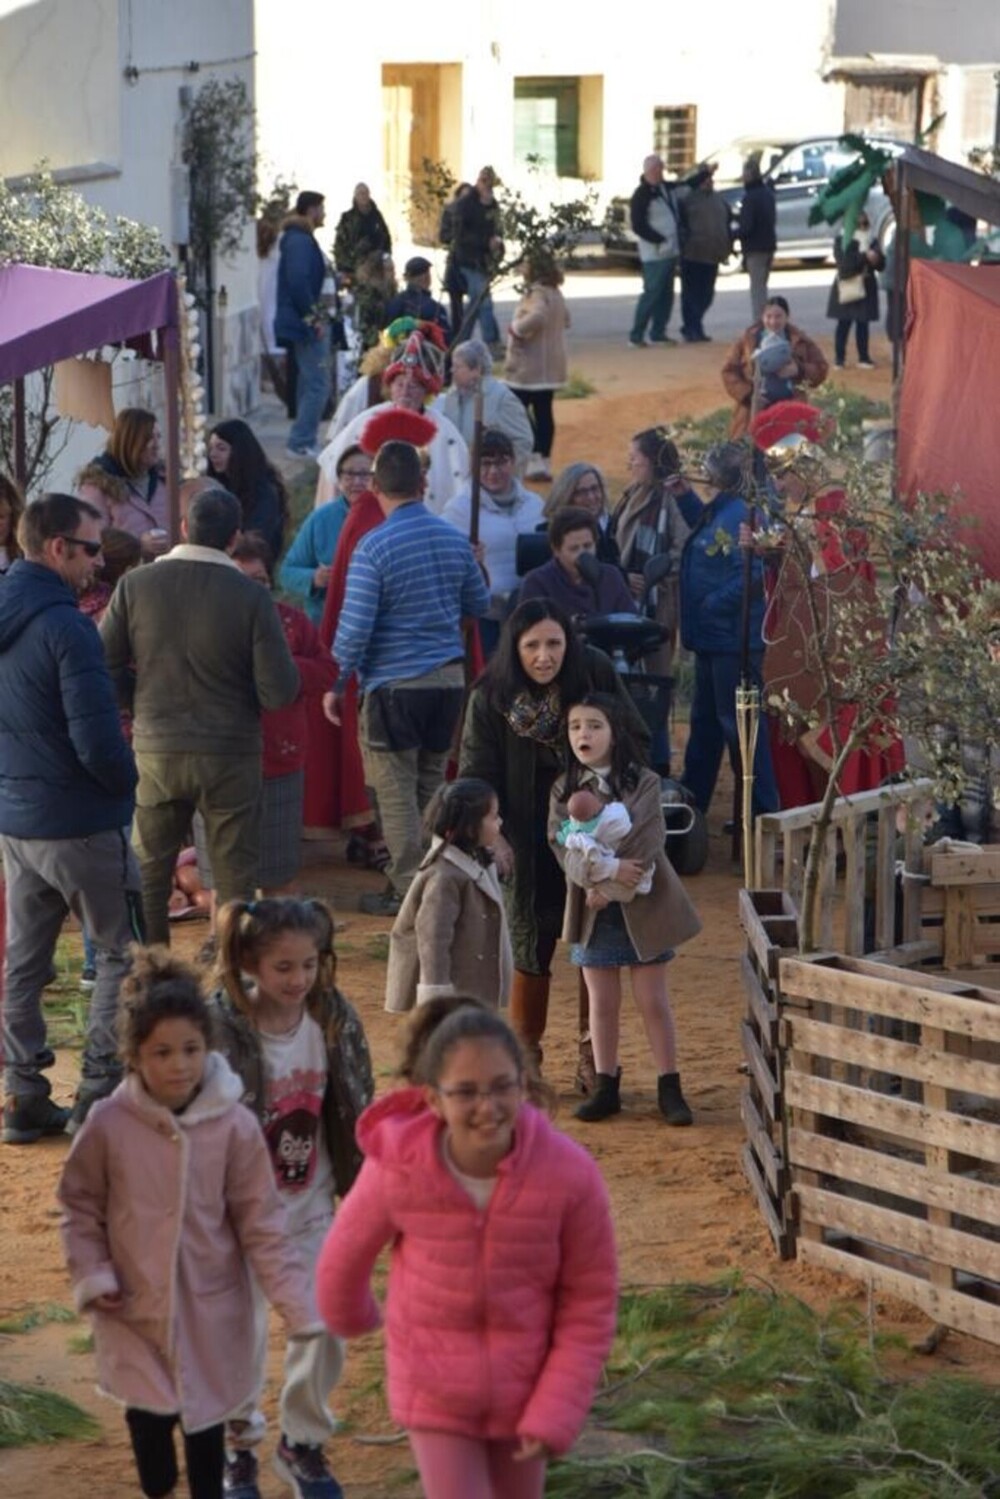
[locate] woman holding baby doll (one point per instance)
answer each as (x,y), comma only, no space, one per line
(625,906)
(741,374)
(513,738)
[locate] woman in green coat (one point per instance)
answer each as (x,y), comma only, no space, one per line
(514,738)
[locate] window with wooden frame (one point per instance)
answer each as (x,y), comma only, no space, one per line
(675,131)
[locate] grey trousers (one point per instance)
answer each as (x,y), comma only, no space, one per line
(96,878)
(405,733)
(758,264)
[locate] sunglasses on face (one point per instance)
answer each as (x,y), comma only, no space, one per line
(92,548)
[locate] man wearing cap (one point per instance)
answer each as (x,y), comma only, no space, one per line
(415,300)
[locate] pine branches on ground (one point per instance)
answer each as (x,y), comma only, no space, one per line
(726,1390)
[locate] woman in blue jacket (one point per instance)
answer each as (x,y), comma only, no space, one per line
(305,570)
(712,589)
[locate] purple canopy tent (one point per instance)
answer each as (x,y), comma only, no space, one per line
(48,315)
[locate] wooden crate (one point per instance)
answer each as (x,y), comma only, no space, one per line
(961,904)
(901,1192)
(769,920)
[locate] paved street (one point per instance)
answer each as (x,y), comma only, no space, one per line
(601,302)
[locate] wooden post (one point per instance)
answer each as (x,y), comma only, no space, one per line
(20,436)
(474,461)
(172,393)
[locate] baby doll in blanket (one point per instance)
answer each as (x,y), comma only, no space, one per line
(596,830)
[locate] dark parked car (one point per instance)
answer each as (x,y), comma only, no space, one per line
(798,171)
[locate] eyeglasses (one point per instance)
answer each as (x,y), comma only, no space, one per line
(499,1092)
(355,473)
(92,548)
(494,462)
(588,489)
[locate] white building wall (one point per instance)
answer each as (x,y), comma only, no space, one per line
(113,136)
(749,70)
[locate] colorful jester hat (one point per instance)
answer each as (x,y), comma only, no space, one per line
(421,352)
(847,190)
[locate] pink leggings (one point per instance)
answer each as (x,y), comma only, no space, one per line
(457,1467)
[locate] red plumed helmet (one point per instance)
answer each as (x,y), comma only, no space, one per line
(773,427)
(397,425)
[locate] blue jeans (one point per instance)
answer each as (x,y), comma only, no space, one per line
(312,362)
(475,281)
(713,729)
(656,302)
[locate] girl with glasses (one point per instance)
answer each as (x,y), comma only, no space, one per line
(502,1281)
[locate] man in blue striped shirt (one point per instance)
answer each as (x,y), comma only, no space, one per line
(409,584)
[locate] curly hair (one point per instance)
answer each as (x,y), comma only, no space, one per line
(158,987)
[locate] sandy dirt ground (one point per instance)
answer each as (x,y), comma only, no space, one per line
(682,1208)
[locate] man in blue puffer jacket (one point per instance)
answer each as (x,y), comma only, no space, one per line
(712,585)
(67,780)
(301,320)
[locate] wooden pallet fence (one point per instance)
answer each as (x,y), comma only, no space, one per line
(769,920)
(869,833)
(893,1145)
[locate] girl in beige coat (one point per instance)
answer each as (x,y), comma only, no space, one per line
(610,932)
(451,935)
(536,353)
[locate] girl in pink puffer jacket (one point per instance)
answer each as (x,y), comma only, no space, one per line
(502,1282)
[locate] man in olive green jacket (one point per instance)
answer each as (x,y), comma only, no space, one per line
(196,650)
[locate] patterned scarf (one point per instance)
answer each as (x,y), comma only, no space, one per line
(538,716)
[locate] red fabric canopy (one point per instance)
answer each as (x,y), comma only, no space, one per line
(948,433)
(48,315)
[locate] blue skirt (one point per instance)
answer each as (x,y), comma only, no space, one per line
(610,945)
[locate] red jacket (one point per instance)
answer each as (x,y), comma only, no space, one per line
(284,729)
(497,1322)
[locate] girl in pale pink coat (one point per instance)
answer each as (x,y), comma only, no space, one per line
(169,1203)
(502,1282)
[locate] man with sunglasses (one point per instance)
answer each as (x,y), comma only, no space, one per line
(67,780)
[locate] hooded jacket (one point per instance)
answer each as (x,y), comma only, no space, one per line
(65,768)
(451,934)
(301,273)
(174,1211)
(497,1321)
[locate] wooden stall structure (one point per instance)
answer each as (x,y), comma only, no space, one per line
(902,1193)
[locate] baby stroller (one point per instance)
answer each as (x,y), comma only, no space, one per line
(627,638)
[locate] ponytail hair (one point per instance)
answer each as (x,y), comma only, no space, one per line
(456,811)
(247,928)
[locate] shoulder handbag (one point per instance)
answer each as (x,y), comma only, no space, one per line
(850,289)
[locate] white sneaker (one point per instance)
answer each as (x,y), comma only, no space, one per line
(538,467)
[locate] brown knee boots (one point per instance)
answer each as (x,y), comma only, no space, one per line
(529,1010)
